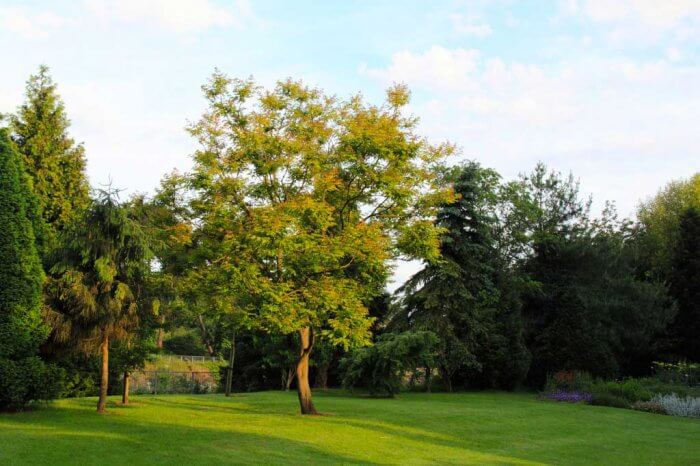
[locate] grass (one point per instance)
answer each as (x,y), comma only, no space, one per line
(264,428)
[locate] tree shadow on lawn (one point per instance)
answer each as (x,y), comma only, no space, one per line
(105,440)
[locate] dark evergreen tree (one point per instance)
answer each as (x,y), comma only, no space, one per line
(685,287)
(587,310)
(52,159)
(23,376)
(468,298)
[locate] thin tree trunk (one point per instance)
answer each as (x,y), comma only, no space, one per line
(303,388)
(125,393)
(288,378)
(104,375)
(229,370)
(321,380)
(428,379)
(161,333)
(448,383)
(205,335)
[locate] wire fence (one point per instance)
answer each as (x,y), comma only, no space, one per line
(158,381)
(188,358)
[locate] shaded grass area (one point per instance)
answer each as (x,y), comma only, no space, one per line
(264,428)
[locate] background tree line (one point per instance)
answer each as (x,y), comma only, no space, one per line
(279,242)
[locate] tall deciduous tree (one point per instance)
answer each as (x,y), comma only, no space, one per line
(23,376)
(95,281)
(304,199)
(54,161)
(660,218)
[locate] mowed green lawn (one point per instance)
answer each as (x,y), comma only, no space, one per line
(264,428)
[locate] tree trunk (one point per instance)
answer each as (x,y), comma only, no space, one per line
(303,388)
(229,370)
(448,383)
(125,393)
(288,376)
(104,375)
(205,335)
(161,333)
(428,379)
(321,380)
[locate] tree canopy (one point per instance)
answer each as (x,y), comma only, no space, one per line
(52,159)
(23,376)
(302,200)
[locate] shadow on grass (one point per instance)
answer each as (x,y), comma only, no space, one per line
(114,439)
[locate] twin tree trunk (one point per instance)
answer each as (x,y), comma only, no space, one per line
(303,388)
(104,374)
(321,381)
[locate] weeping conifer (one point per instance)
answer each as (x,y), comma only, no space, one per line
(95,281)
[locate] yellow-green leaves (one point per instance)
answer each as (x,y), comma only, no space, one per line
(302,199)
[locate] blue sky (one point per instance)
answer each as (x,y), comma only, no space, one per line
(608,89)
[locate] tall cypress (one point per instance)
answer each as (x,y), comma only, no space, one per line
(23,376)
(52,159)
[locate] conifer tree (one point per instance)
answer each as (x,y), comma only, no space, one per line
(93,290)
(52,159)
(23,376)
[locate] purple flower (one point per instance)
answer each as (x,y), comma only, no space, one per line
(570,397)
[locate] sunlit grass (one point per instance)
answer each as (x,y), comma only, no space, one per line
(264,428)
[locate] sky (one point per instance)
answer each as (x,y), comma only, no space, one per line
(606,89)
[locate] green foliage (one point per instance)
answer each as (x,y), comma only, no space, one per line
(585,308)
(630,390)
(28,380)
(660,218)
(604,398)
(684,332)
(263,361)
(184,341)
(95,277)
(468,297)
(54,162)
(23,376)
(300,201)
(381,368)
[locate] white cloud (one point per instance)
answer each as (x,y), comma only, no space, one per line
(637,119)
(640,21)
(655,13)
(30,24)
(441,67)
(470,25)
(181,16)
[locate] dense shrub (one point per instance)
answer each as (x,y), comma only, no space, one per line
(381,368)
(630,390)
(678,406)
(28,380)
(655,386)
(184,341)
(608,399)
